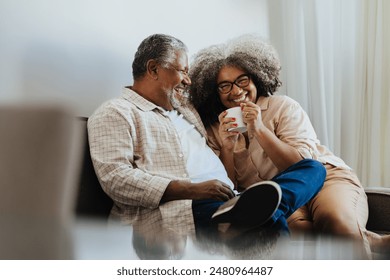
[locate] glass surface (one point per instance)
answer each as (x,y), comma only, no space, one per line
(93,239)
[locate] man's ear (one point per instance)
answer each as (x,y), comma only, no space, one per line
(152,68)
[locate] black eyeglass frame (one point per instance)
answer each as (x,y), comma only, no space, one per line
(236,82)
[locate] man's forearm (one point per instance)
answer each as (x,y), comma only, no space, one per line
(175,190)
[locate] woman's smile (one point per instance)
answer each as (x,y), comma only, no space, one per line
(241,98)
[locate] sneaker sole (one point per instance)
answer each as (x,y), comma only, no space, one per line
(254,207)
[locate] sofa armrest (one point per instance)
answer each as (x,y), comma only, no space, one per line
(379,209)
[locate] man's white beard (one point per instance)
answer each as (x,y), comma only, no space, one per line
(178,99)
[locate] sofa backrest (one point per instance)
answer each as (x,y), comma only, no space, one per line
(91,199)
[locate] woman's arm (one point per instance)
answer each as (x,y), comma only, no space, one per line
(281,153)
(223,142)
(227,158)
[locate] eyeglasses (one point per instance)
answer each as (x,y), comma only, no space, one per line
(242,81)
(181,71)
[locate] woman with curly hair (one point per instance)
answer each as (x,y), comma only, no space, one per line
(245,72)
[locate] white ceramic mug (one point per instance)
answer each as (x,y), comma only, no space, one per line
(236,112)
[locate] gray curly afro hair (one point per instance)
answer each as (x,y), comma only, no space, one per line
(248,52)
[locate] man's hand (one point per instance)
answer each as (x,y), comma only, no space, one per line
(212,189)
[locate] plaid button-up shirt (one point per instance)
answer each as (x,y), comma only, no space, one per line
(136,152)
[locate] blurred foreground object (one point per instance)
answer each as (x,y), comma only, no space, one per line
(40,148)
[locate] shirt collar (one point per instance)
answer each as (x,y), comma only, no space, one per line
(263,102)
(139,101)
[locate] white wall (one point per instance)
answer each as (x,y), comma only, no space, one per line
(80,51)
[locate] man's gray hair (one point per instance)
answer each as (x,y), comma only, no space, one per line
(159,47)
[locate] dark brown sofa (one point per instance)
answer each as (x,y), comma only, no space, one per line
(92,201)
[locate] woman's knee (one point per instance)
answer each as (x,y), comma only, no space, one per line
(315,166)
(337,223)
